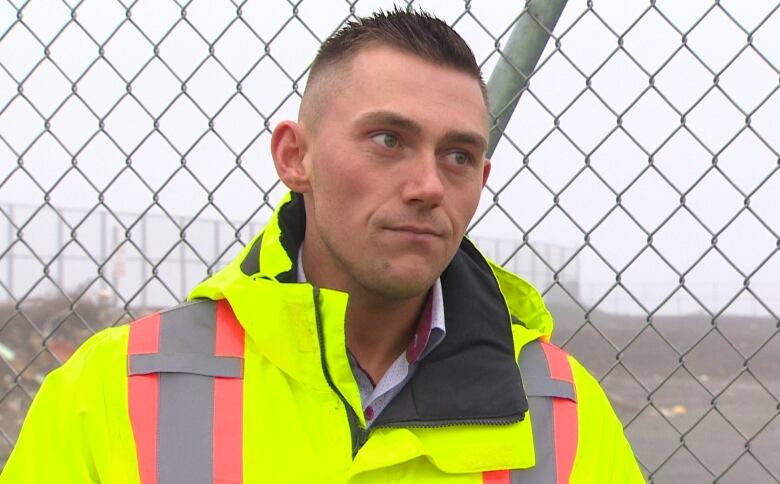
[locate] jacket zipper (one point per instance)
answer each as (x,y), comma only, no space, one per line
(452,423)
(359,434)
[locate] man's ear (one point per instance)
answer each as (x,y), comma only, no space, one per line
(289,149)
(485,172)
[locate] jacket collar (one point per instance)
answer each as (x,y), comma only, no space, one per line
(471,377)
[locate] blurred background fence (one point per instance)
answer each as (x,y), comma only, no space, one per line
(637,185)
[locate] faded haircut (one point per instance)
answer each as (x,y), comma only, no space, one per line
(414,32)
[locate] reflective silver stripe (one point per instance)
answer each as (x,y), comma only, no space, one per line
(186,400)
(539,389)
(547,387)
(225,366)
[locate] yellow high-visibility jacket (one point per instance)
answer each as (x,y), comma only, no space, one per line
(463,417)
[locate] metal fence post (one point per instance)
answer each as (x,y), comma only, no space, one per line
(10,255)
(518,60)
(144,250)
(60,277)
(182,261)
(215,259)
(103,249)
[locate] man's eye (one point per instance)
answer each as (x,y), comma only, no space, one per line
(387,140)
(460,158)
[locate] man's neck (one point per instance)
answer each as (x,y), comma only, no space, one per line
(378,331)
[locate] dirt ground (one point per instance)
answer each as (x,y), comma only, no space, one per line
(699,400)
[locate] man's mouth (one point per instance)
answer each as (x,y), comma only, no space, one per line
(417,230)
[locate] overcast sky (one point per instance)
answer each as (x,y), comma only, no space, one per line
(652,106)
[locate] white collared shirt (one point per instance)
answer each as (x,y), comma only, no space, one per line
(429,333)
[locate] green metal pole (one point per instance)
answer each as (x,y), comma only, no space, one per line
(518,61)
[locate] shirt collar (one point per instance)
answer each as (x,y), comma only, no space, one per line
(430,327)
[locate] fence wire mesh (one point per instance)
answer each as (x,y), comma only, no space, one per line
(637,186)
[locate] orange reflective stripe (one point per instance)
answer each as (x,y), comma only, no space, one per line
(142,396)
(565,423)
(496,477)
(558,363)
(144,335)
(170,397)
(228,401)
(552,399)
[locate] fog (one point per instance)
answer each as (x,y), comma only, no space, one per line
(646,143)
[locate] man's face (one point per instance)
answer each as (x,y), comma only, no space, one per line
(396,166)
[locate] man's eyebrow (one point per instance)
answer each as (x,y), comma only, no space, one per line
(395,120)
(467,137)
(391,119)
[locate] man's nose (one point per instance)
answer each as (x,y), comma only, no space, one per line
(424,183)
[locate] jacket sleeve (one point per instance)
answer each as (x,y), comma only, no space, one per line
(66,434)
(603,452)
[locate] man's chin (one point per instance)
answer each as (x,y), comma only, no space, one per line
(401,288)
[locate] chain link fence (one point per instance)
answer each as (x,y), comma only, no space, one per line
(639,169)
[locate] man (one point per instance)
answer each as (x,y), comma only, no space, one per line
(360,337)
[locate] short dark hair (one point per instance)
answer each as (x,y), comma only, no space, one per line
(416,32)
